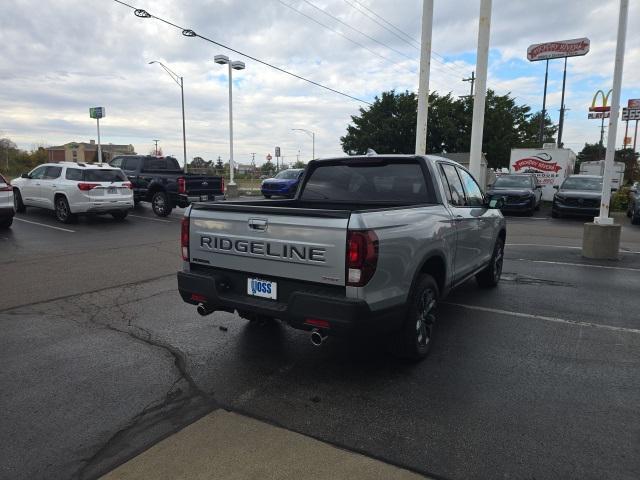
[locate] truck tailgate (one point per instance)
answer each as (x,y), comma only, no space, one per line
(197,185)
(295,244)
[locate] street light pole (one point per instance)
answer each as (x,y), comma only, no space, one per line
(180,81)
(233,65)
(313,140)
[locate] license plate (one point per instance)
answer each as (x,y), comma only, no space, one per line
(112,190)
(262,288)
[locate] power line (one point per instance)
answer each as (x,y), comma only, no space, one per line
(405,38)
(190,33)
(359,31)
(386,59)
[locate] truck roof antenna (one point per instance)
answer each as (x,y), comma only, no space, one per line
(371,152)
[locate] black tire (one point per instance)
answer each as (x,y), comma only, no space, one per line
(119,215)
(160,204)
(490,276)
(267,196)
(413,342)
(635,219)
(62,210)
(6,223)
(531,212)
(17,201)
(538,206)
(554,214)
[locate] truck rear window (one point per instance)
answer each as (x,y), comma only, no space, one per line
(378,182)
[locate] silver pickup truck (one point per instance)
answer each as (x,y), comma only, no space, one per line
(369,244)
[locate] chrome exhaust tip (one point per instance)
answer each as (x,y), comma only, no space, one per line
(204,310)
(317,337)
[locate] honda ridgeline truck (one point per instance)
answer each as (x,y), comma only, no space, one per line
(368,244)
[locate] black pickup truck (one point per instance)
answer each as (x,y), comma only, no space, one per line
(161,181)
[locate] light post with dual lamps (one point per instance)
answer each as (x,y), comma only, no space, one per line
(232,189)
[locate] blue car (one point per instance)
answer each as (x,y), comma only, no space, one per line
(284,184)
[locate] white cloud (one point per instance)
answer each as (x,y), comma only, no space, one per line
(60,58)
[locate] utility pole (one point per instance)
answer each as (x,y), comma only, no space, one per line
(156,142)
(635,137)
(471,79)
(423,84)
(482,63)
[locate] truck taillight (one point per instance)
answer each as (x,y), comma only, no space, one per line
(362,256)
(182,185)
(184,238)
(85,187)
(222,185)
(8,188)
(128,185)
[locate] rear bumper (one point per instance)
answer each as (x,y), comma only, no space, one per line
(344,315)
(184,200)
(102,207)
(7,212)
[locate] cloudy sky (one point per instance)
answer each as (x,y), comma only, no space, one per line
(60,57)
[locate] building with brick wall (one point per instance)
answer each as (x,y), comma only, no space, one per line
(87,152)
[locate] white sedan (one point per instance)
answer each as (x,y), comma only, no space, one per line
(70,188)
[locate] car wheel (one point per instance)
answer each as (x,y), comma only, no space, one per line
(490,276)
(635,218)
(6,223)
(554,214)
(17,201)
(62,210)
(119,215)
(414,340)
(160,204)
(267,196)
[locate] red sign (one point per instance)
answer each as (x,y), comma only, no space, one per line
(561,49)
(269,157)
(537,163)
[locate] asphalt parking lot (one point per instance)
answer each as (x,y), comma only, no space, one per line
(539,378)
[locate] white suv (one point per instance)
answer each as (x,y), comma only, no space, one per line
(6,203)
(71,188)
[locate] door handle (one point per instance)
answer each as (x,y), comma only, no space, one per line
(258,224)
(458,218)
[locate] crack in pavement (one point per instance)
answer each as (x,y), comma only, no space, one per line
(85,311)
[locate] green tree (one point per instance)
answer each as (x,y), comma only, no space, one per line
(299,164)
(267,168)
(219,165)
(389,126)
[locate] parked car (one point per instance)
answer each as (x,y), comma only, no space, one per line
(7,208)
(578,195)
(633,212)
(70,188)
(161,181)
(521,193)
(369,245)
(284,184)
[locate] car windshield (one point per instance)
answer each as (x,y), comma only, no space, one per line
(288,175)
(513,182)
(582,183)
(95,175)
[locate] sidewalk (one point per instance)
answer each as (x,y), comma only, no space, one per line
(225,445)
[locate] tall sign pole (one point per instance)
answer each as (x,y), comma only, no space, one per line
(603,218)
(98,113)
(561,121)
(482,63)
(544,104)
(423,84)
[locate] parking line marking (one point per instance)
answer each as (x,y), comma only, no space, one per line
(44,225)
(559,246)
(606,267)
(544,318)
(152,219)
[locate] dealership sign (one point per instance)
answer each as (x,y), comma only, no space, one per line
(561,49)
(542,162)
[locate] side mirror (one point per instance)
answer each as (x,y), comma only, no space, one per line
(25,175)
(614,189)
(633,190)
(496,203)
(556,187)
